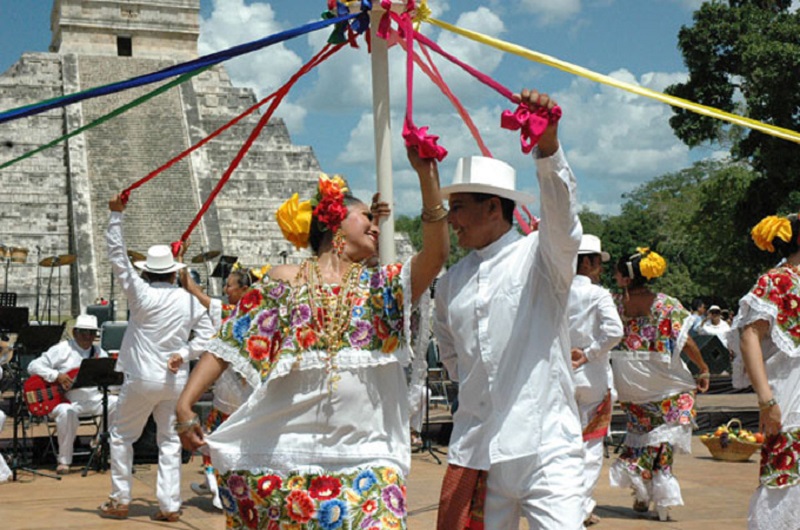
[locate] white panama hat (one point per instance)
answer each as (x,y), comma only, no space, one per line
(480,174)
(591,245)
(86,322)
(159,260)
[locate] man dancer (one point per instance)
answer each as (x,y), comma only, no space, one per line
(594,328)
(502,331)
(153,358)
(53,366)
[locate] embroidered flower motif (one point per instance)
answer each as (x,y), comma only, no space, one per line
(228,501)
(665,327)
(364,481)
(238,486)
(389,475)
(301,315)
(361,336)
(268,322)
(685,402)
(240,328)
(268,484)
(250,300)
(390,521)
(633,341)
(390,344)
(376,281)
(249,513)
(299,506)
(325,487)
(306,338)
(394,499)
(263,348)
(274,513)
(369,507)
(296,482)
(277,291)
(332,514)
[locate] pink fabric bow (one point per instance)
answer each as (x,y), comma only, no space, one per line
(424,142)
(531,125)
(384,24)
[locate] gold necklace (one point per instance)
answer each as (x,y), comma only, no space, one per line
(331,311)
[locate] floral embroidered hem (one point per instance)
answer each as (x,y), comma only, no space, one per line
(369,498)
(779,460)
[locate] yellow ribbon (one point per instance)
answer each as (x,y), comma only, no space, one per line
(421,14)
(711,112)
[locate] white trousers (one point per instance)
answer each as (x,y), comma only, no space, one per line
(67,417)
(137,400)
(5,472)
(545,488)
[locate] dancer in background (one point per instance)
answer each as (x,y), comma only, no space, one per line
(594,328)
(656,389)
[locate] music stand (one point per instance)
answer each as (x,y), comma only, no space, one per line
(224,266)
(13,319)
(99,372)
(8,299)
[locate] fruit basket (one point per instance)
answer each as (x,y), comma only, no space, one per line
(731,442)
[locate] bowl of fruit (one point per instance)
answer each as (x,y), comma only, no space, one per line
(732,442)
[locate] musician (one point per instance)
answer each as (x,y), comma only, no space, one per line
(56,365)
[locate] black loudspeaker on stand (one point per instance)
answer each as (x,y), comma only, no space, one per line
(425,432)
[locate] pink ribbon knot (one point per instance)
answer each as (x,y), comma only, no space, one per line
(424,142)
(531,125)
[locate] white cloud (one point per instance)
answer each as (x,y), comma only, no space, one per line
(550,12)
(235,22)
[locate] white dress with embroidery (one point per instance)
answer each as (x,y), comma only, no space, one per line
(775,298)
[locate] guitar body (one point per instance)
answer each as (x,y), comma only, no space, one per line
(42,397)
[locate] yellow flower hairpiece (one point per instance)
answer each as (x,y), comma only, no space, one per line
(652,265)
(258,273)
(770,227)
(294,218)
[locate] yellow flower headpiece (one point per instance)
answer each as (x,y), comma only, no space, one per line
(765,232)
(295,217)
(651,265)
(258,273)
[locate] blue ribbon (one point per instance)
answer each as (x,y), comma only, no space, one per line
(178,69)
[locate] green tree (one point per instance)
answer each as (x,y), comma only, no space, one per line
(744,56)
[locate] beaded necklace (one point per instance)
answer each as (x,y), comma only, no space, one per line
(331,310)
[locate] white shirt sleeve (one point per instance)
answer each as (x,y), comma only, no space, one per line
(560,229)
(132,284)
(45,365)
(444,338)
(610,329)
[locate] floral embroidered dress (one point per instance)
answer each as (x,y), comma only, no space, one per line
(323,442)
(775,298)
(656,390)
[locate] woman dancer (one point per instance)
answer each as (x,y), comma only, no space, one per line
(324,440)
(656,389)
(768,349)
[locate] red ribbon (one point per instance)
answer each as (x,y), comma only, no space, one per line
(531,125)
(424,142)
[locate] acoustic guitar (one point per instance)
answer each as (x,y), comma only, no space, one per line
(42,397)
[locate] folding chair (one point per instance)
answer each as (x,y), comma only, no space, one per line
(111,334)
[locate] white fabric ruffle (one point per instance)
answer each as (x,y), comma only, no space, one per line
(663,490)
(680,436)
(774,509)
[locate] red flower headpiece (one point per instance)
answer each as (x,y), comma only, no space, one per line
(328,204)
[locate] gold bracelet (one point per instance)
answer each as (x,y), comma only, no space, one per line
(186,426)
(434,214)
(704,375)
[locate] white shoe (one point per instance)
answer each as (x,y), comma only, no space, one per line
(217,503)
(663,514)
(200,489)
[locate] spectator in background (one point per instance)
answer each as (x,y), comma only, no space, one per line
(696,318)
(714,325)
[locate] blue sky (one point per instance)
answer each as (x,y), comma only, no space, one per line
(614,140)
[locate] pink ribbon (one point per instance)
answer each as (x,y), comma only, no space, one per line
(531,125)
(385,21)
(424,142)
